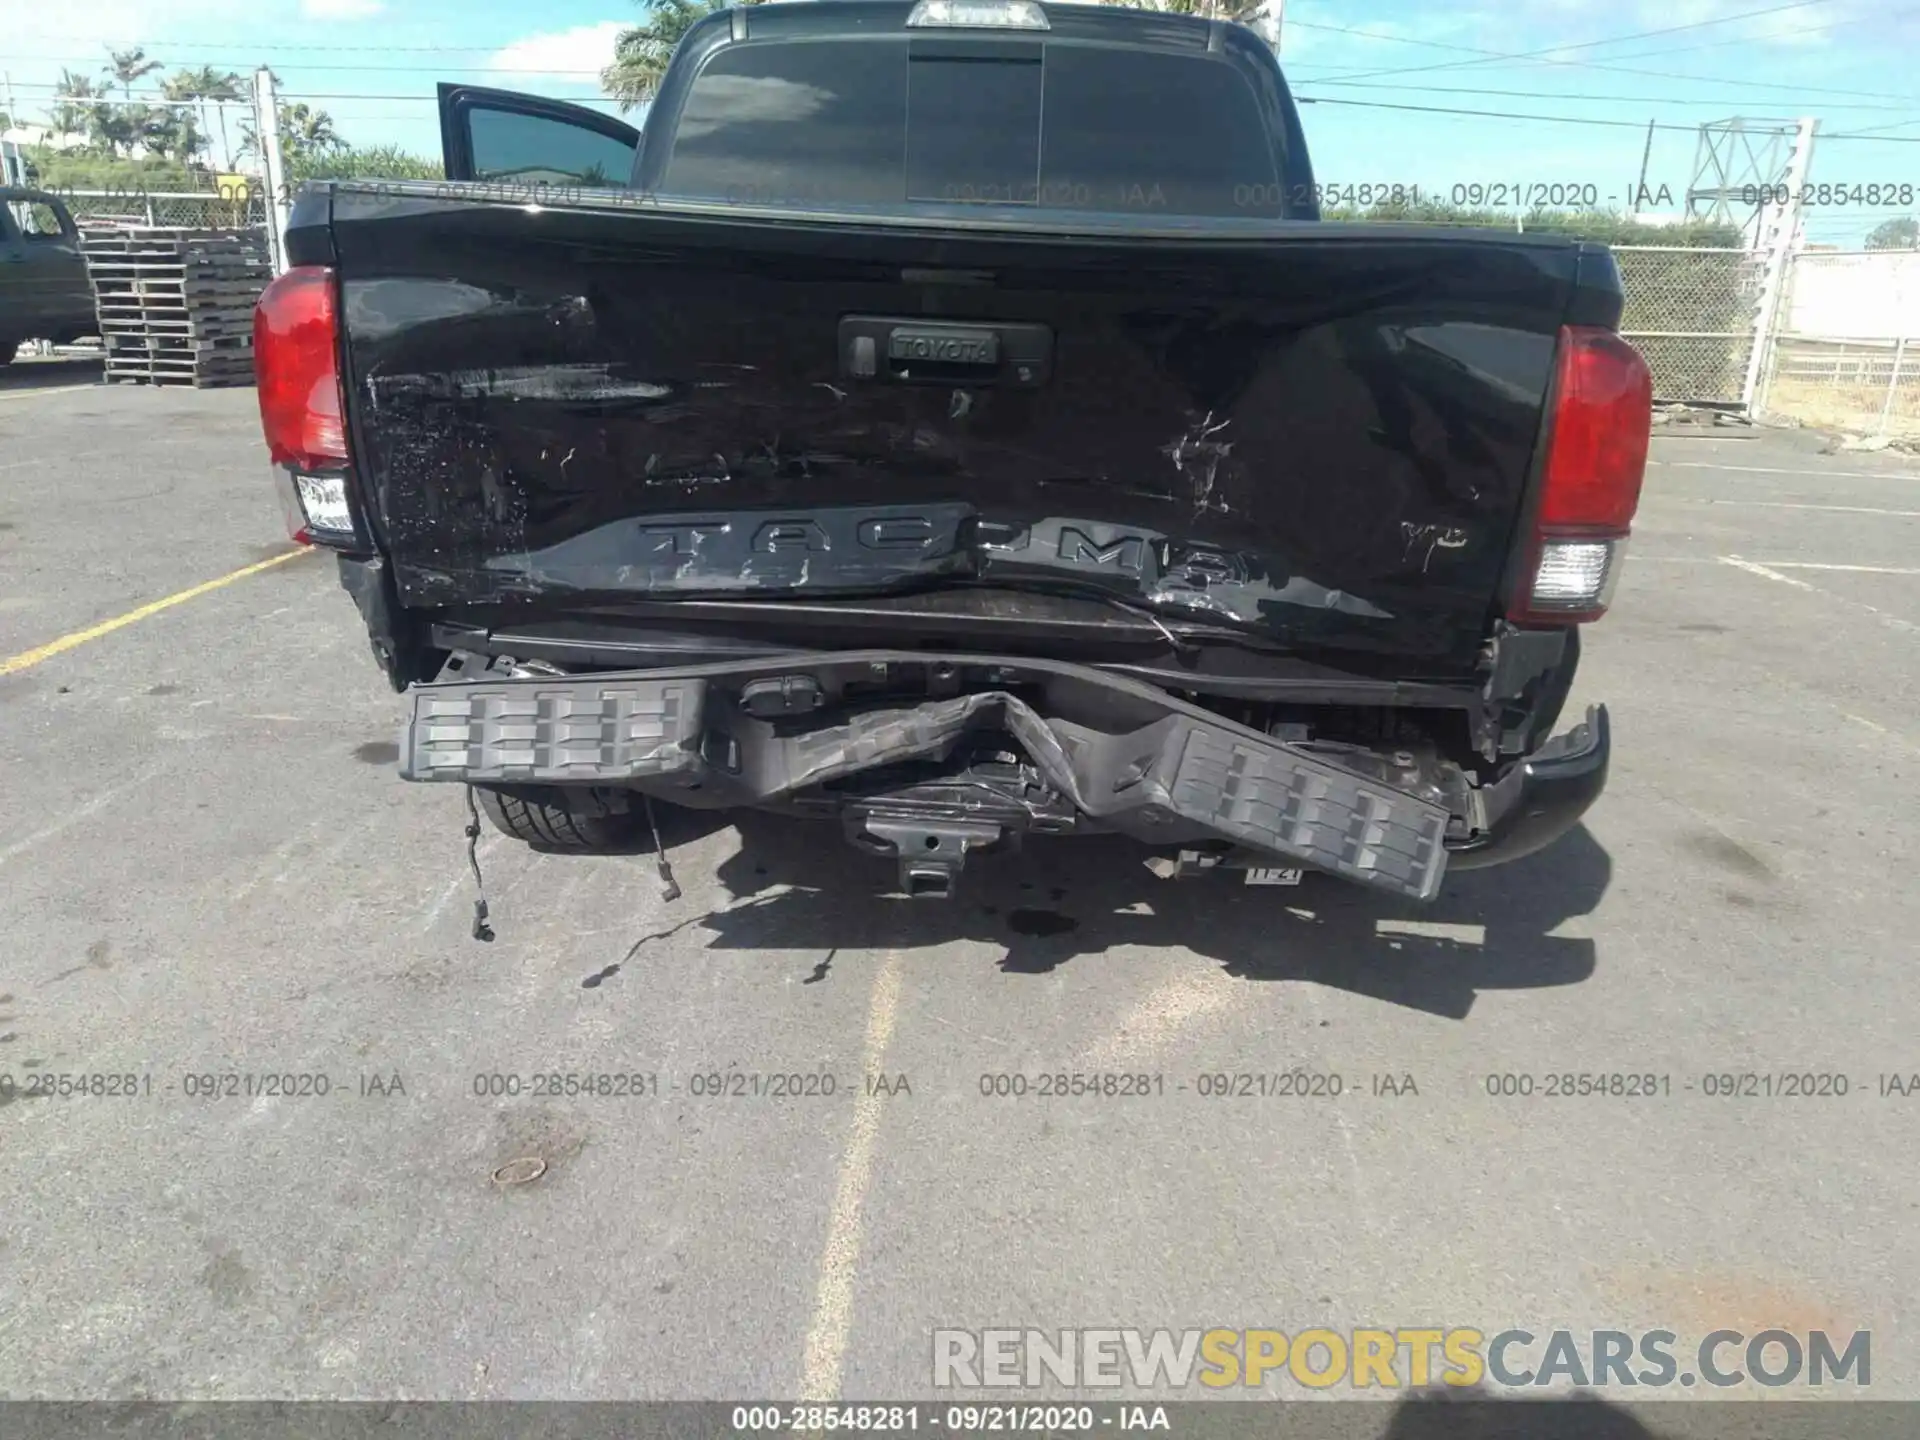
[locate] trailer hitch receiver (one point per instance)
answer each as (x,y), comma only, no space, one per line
(931,853)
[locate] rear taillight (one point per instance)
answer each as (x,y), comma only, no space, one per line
(296,339)
(1596,459)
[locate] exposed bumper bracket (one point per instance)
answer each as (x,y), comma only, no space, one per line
(1158,768)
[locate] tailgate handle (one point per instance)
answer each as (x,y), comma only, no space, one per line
(911,350)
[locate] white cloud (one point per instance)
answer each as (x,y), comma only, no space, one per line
(586,49)
(341,9)
(729,99)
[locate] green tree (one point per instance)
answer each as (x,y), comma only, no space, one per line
(170,132)
(306,132)
(306,135)
(76,108)
(1901,234)
(640,54)
(208,87)
(127,66)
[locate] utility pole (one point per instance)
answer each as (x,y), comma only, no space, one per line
(1279,18)
(266,124)
(1646,155)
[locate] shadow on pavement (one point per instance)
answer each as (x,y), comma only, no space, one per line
(799,886)
(33,372)
(1474,1415)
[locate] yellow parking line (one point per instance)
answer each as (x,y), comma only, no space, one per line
(46,390)
(30,658)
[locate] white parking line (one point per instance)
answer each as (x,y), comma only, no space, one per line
(1850,569)
(1780,564)
(84,811)
(1770,574)
(43,390)
(1799,505)
(1772,470)
(1882,731)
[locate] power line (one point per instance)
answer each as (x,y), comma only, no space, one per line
(1498,114)
(251,46)
(417,98)
(1701,80)
(1871,130)
(1662,52)
(1537,58)
(1661,100)
(303,66)
(1587,44)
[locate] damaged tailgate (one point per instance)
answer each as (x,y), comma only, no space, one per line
(1320,433)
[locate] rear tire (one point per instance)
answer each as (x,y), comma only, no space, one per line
(579,822)
(7,353)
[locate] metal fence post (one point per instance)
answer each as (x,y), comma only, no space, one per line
(266,106)
(1779,233)
(1893,382)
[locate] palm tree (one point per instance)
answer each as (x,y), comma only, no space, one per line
(171,133)
(641,54)
(69,116)
(128,66)
(306,131)
(305,134)
(82,107)
(203,85)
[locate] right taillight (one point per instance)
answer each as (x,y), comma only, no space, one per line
(1596,459)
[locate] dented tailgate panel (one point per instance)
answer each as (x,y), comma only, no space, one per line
(1318,432)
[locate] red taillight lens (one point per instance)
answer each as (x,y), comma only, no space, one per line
(296,338)
(1602,418)
(1596,460)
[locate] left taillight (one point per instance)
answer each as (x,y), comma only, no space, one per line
(296,347)
(1590,486)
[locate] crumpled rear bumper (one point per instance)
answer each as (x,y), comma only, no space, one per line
(1127,755)
(1543,797)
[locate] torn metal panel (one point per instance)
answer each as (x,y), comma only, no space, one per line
(1159,769)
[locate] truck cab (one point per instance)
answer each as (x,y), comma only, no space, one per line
(44,290)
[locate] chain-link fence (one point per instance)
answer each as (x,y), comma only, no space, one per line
(1845,354)
(240,208)
(1691,312)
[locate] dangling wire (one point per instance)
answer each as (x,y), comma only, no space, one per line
(481,929)
(669,887)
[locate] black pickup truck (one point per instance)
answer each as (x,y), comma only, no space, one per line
(952,420)
(44,290)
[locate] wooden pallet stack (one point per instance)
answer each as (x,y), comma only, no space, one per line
(176,305)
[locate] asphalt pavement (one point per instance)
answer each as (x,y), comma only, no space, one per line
(209,872)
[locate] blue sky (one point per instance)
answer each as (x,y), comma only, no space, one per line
(1852,63)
